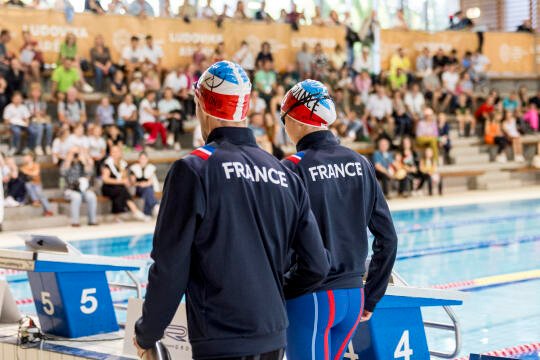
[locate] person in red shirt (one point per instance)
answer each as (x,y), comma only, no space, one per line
(484,111)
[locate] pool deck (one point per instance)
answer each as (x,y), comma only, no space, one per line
(113,349)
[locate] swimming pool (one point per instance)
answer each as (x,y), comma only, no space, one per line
(490,250)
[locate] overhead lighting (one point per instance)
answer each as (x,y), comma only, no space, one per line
(473,13)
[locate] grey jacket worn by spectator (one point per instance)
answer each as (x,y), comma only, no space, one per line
(346,200)
(229,218)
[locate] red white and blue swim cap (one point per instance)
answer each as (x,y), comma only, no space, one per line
(223,91)
(308,102)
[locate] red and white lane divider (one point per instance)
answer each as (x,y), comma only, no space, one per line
(514,350)
(454,285)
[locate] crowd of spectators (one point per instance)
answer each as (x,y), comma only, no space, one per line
(402,111)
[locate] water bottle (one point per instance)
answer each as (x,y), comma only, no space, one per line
(158,352)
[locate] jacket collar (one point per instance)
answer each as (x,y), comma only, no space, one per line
(316,140)
(234,135)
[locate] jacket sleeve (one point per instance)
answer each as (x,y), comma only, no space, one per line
(384,249)
(181,210)
(311,261)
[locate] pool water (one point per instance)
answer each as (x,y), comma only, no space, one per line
(437,246)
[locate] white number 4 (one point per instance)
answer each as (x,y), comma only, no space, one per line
(89,303)
(48,307)
(402,349)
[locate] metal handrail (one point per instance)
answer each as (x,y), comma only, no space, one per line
(136,286)
(454,327)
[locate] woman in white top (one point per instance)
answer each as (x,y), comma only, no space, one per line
(148,118)
(509,127)
(96,147)
(78,138)
(18,118)
(128,119)
(143,176)
(171,112)
(60,146)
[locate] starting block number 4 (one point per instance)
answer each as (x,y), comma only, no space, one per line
(89,303)
(402,349)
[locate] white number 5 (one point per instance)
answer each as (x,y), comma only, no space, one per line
(402,349)
(48,307)
(86,298)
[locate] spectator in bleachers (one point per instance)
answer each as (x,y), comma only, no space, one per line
(264,55)
(445,144)
(382,160)
(152,53)
(177,80)
(93,6)
(187,11)
(338,59)
(535,99)
(466,62)
(77,172)
(400,174)
(362,85)
(523,95)
(32,171)
(100,57)
(415,102)
(208,11)
(31,57)
(257,105)
(464,116)
(61,146)
(18,118)
(363,62)
(511,102)
(450,79)
(398,80)
(400,61)
(118,88)
(430,172)
(105,113)
(148,118)
(69,50)
(115,185)
(97,147)
(3,93)
(15,184)
(399,21)
(244,57)
(294,17)
(333,18)
(137,87)
(465,86)
(171,113)
(510,130)
(410,158)
(117,7)
(379,111)
(143,176)
(65,77)
(424,63)
(132,56)
(127,115)
(526,27)
(427,133)
(480,67)
(240,12)
(78,138)
(403,122)
(40,121)
(256,124)
(440,60)
(5,38)
(261,14)
(151,80)
(114,137)
(265,80)
(15,77)
(493,135)
(320,62)
(460,21)
(141,8)
(72,110)
(219,52)
(198,58)
(485,110)
(530,117)
(304,59)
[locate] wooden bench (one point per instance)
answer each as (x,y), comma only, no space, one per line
(464,173)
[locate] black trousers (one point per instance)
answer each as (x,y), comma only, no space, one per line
(273,355)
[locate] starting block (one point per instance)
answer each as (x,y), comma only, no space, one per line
(70,290)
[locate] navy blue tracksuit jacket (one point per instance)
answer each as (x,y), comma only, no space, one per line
(346,200)
(230,216)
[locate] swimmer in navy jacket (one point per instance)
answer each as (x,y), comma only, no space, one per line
(346,199)
(230,216)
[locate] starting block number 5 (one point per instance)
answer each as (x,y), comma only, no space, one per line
(402,349)
(89,302)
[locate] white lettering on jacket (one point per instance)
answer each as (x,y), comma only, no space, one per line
(254,173)
(335,171)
